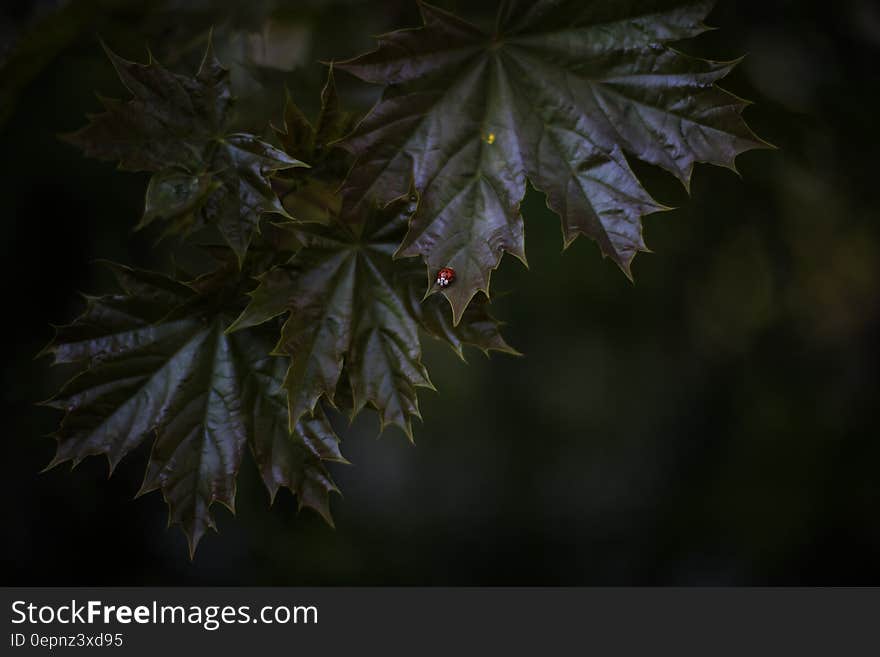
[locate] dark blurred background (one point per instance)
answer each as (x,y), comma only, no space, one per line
(715,423)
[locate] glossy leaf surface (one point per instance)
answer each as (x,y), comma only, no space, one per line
(158,367)
(351,307)
(557,94)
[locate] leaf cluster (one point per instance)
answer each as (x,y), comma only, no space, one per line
(324,308)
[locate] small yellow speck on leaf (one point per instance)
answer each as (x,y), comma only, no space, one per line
(490,139)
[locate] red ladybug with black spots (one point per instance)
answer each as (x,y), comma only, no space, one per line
(445,276)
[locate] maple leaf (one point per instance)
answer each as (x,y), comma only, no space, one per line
(157,364)
(312,194)
(305,141)
(353,316)
(177,127)
(355,312)
(558,94)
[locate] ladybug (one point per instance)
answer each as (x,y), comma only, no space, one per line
(445,276)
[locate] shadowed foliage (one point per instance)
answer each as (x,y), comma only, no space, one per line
(328,305)
(557,94)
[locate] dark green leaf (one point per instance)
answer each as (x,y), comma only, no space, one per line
(352,307)
(557,95)
(343,309)
(312,195)
(304,141)
(176,126)
(157,365)
(354,312)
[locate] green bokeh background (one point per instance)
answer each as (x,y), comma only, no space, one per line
(715,423)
